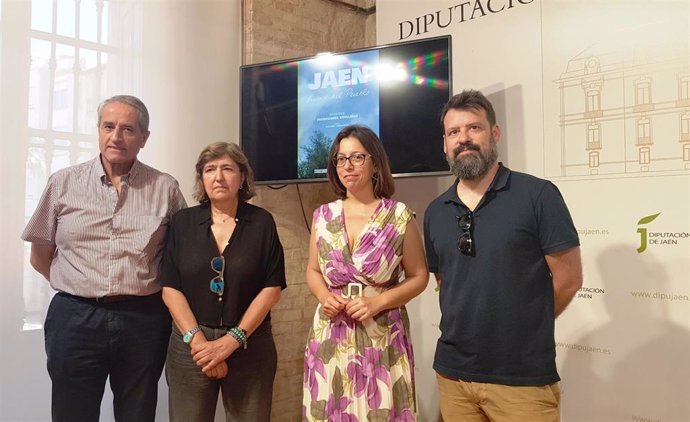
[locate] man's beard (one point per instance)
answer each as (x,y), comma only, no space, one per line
(472,166)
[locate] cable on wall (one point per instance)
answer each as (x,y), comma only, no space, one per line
(362,10)
(301,205)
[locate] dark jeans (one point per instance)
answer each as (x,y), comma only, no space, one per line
(246,391)
(86,342)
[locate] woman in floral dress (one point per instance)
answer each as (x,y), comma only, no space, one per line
(365,262)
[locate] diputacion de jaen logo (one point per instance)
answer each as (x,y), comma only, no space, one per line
(660,238)
(643,231)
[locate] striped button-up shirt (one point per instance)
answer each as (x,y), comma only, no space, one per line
(105,243)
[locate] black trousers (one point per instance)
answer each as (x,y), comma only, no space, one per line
(87,342)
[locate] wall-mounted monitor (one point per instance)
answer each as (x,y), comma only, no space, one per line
(292,110)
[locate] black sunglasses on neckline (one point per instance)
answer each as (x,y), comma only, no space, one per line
(466,240)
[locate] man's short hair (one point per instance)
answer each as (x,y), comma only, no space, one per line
(469,99)
(131,101)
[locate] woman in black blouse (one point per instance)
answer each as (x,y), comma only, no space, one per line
(222,271)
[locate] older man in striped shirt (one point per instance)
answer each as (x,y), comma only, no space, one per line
(97,235)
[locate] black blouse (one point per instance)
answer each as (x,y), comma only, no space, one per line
(253,260)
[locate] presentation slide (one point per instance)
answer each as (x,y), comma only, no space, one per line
(333,92)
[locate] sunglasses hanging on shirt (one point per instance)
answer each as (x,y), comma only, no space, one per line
(466,239)
(218,282)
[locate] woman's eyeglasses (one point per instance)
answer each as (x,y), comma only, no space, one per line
(466,241)
(356,159)
(218,282)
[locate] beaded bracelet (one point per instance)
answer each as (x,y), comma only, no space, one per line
(240,335)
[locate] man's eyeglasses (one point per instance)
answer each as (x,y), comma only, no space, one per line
(357,159)
(466,241)
(218,282)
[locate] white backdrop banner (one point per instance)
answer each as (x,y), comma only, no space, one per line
(594,96)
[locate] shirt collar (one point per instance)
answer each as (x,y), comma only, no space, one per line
(97,165)
(500,182)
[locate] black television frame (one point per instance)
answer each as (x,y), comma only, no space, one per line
(293,61)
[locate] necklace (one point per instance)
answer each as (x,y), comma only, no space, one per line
(222,221)
(223,214)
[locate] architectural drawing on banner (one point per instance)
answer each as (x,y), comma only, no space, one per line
(622,111)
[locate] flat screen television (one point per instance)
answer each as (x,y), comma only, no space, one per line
(292,110)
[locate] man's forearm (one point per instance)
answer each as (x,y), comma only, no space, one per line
(566,270)
(41,258)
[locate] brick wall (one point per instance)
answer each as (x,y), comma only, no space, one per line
(281,29)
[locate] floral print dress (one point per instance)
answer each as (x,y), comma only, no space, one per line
(354,371)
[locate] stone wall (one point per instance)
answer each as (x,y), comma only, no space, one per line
(275,30)
(281,29)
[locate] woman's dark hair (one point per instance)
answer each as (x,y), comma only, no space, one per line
(384,187)
(218,150)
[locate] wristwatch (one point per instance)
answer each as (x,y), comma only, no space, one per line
(189,335)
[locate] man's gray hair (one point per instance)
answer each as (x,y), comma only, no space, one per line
(131,101)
